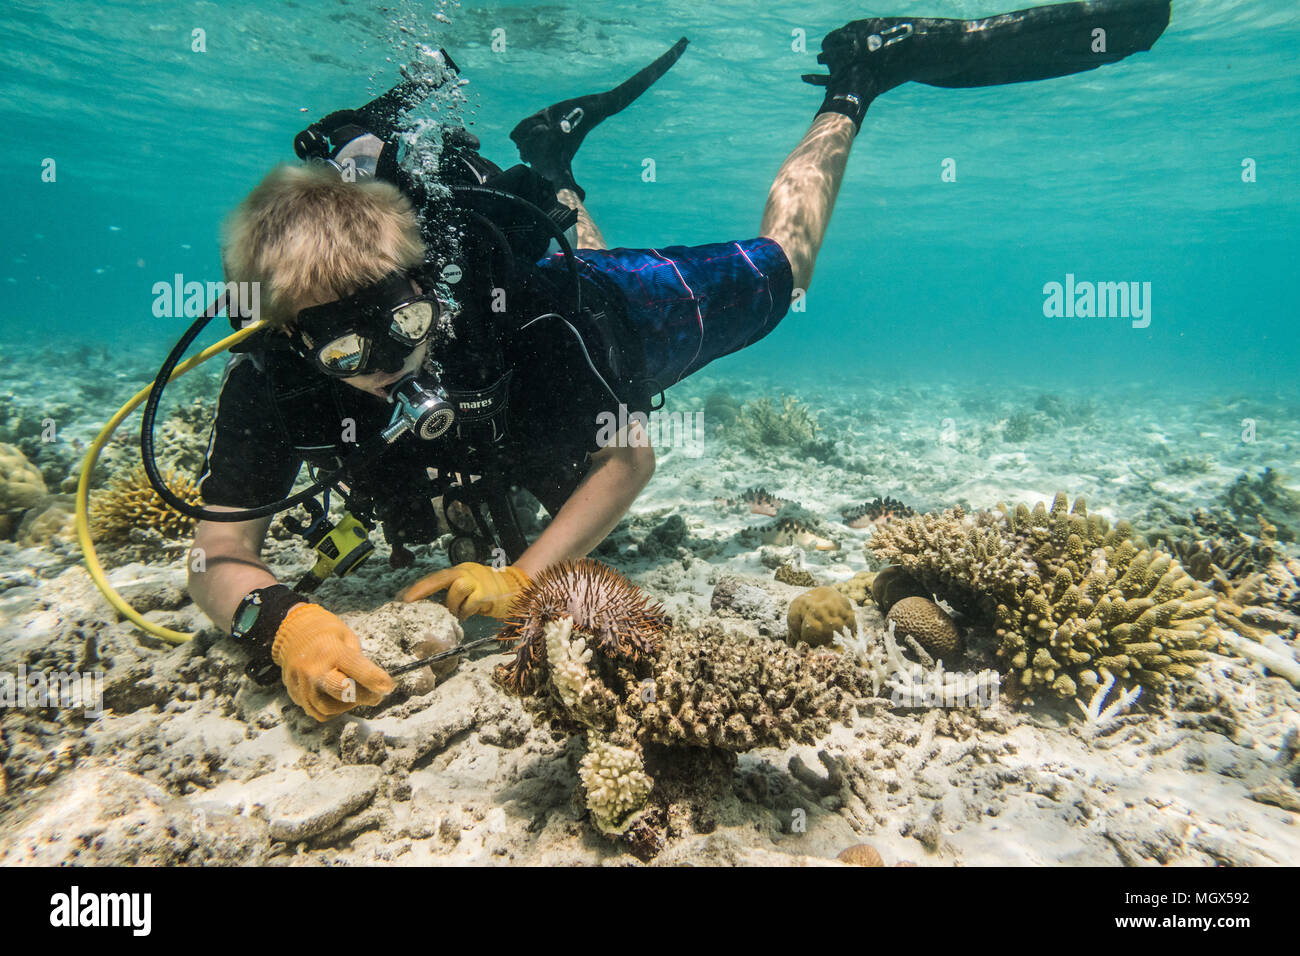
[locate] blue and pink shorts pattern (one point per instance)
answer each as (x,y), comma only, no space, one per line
(693,304)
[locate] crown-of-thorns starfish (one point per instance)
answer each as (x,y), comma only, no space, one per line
(614,615)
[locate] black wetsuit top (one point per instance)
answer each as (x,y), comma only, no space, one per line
(277,412)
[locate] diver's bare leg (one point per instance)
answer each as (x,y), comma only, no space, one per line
(589,235)
(803,194)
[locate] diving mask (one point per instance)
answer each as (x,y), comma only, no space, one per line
(372,330)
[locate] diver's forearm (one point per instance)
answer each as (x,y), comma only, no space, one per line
(224,582)
(591,513)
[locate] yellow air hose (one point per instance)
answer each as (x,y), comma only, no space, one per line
(83,490)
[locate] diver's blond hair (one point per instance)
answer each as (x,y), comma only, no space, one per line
(308,236)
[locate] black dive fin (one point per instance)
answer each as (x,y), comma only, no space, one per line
(549,138)
(869,57)
(1044,42)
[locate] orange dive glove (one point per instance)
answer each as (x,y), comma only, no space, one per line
(322,665)
(472,589)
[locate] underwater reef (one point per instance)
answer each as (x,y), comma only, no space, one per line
(665,756)
(1073,600)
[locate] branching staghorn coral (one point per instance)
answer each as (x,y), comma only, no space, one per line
(130,502)
(1266,499)
(1072,599)
(1095,718)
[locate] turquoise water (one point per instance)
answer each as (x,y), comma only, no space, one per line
(1129,173)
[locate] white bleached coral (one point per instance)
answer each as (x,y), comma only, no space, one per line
(910,684)
(1271,651)
(1095,718)
(568,657)
(617,785)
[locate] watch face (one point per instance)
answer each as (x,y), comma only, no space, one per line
(245,618)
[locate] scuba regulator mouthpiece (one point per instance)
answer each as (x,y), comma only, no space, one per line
(425,411)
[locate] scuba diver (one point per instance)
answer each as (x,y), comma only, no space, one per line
(429,353)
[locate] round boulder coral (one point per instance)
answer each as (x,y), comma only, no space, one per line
(21,484)
(48,523)
(928,624)
(818,615)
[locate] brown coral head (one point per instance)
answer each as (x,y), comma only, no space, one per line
(891,585)
(609,610)
(929,625)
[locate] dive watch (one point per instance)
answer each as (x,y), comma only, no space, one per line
(255,623)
